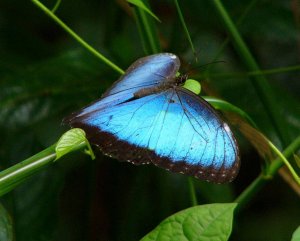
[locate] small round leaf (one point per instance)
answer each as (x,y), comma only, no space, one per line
(70,141)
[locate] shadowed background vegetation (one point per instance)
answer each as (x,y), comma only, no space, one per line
(45,75)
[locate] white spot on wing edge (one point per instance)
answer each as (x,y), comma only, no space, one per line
(226,127)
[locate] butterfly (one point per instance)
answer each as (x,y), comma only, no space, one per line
(148,117)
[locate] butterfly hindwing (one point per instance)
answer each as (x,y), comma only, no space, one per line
(219,154)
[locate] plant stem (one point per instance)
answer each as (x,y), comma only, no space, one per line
(226,106)
(15,175)
(137,17)
(285,161)
(185,28)
(226,41)
(250,192)
(259,82)
(278,163)
(56,6)
(192,191)
(259,182)
(148,31)
(77,37)
(253,73)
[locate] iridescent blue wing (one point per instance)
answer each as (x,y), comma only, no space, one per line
(174,129)
(146,72)
(219,159)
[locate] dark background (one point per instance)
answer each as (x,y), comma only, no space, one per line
(45,75)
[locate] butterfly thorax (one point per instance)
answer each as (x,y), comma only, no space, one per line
(154,90)
(167,84)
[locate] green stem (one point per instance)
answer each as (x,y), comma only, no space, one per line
(146,45)
(185,27)
(226,106)
(250,192)
(15,175)
(277,164)
(254,73)
(259,82)
(285,161)
(148,31)
(226,41)
(262,179)
(56,6)
(192,191)
(77,37)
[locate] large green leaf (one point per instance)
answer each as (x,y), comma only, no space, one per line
(211,222)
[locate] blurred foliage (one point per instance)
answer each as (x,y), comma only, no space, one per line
(6,230)
(45,75)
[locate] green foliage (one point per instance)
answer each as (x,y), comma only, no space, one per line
(207,222)
(6,229)
(225,106)
(70,141)
(48,71)
(142,6)
(193,86)
(296,235)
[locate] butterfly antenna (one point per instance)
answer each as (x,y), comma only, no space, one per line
(204,66)
(196,54)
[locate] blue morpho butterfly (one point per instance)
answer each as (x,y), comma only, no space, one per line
(147,116)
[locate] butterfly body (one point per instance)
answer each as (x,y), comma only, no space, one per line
(148,117)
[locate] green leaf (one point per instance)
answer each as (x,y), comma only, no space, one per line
(226,106)
(192,85)
(70,141)
(296,235)
(141,5)
(6,230)
(205,222)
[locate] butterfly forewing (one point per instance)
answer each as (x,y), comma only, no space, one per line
(144,73)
